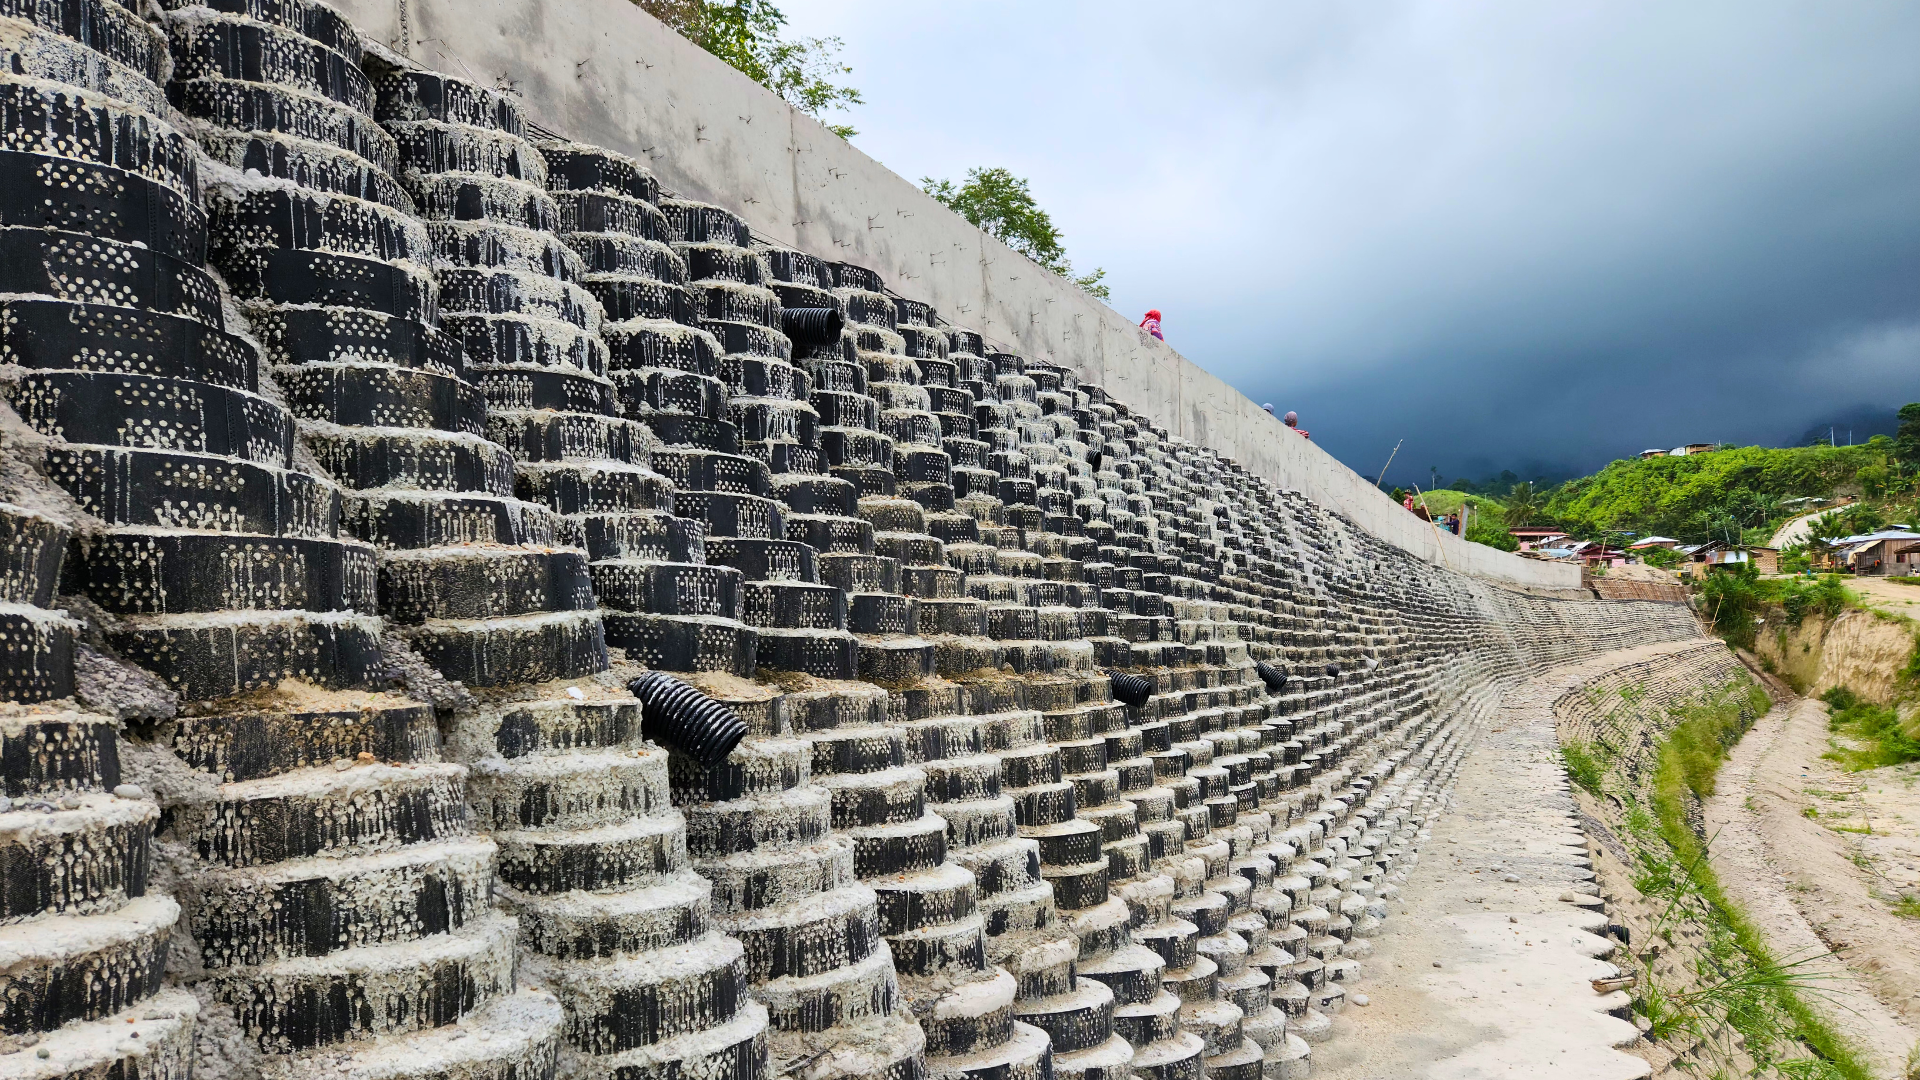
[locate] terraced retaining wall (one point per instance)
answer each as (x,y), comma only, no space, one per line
(361,440)
(605,72)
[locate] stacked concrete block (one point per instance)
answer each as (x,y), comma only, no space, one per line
(337,894)
(665,604)
(824,505)
(865,457)
(595,862)
(225,563)
(882,785)
(738,459)
(339,897)
(507,605)
(800,620)
(1066,795)
(86,939)
(788,886)
(593,859)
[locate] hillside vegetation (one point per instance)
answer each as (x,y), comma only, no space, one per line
(1726,492)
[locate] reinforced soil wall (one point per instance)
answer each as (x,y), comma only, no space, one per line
(607,73)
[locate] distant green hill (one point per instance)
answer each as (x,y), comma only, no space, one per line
(1701,496)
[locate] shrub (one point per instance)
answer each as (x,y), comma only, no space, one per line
(1487,529)
(1732,600)
(1800,597)
(1882,738)
(1664,558)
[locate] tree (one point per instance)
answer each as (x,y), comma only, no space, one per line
(746,34)
(1906,442)
(1875,480)
(1664,558)
(1523,504)
(1001,205)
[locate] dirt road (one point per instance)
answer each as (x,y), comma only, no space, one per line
(1816,890)
(1889,596)
(1795,531)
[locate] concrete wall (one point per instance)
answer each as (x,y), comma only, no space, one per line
(605,72)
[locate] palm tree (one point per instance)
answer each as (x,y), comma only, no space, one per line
(1523,505)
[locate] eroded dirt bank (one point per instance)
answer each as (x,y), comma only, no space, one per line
(1864,651)
(1783,897)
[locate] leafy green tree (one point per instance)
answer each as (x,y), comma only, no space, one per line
(1875,480)
(746,34)
(1906,441)
(1001,204)
(1664,558)
(1855,520)
(1732,600)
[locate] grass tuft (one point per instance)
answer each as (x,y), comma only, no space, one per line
(1586,767)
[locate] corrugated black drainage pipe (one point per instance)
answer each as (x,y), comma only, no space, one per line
(812,325)
(1131,689)
(681,718)
(1275,678)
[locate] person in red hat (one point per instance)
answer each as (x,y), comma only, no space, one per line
(1151,324)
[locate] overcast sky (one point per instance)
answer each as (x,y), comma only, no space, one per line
(1520,235)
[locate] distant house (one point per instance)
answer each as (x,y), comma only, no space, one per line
(1878,554)
(1703,559)
(1588,553)
(1535,537)
(1602,555)
(1667,542)
(1644,454)
(1906,561)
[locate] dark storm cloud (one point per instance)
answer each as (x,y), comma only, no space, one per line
(1517,236)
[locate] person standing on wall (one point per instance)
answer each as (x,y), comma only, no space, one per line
(1292,420)
(1151,324)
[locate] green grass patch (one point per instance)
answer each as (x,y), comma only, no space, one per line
(1739,983)
(1699,742)
(1444,501)
(1877,735)
(1586,766)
